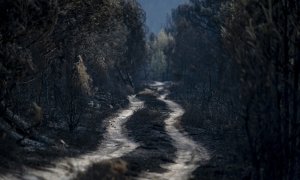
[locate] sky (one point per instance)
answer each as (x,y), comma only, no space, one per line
(156,12)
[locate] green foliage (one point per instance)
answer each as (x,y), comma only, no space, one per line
(157,50)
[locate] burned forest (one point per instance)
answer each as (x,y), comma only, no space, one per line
(149,89)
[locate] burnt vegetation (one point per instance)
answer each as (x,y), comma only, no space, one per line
(64,63)
(237,68)
(67,64)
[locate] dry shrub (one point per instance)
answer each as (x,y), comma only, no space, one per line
(37,113)
(111,169)
(148,93)
(84,81)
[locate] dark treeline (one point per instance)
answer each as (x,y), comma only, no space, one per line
(64,65)
(265,44)
(238,63)
(56,56)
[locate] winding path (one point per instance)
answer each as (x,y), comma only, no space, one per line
(116,144)
(189,155)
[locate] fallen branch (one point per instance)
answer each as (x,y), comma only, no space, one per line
(25,128)
(5,127)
